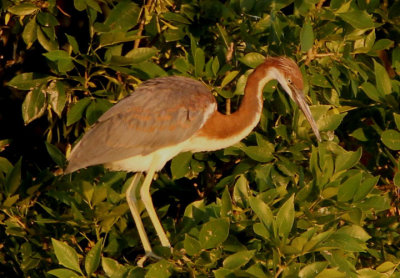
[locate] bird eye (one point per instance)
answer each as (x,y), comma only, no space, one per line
(289,81)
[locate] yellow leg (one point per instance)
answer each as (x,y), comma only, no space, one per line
(148,203)
(133,205)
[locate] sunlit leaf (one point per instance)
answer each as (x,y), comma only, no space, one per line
(347,160)
(34,104)
(214,232)
(306,37)
(238,259)
(57,156)
(76,111)
(285,217)
(63,273)
(252,59)
(382,79)
(92,260)
(191,245)
(29,34)
(199,62)
(391,138)
(28,80)
(66,255)
(13,180)
(180,165)
(23,9)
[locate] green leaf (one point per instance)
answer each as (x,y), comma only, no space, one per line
(47,19)
(358,19)
(238,259)
(330,121)
(182,65)
(63,273)
(57,96)
(141,54)
(377,203)
(306,37)
(262,211)
(260,154)
(160,269)
(74,44)
(347,160)
(383,82)
(228,78)
(365,187)
(199,62)
(94,5)
(28,80)
(62,59)
(371,91)
(29,35)
(252,59)
(123,16)
(66,255)
(359,134)
(241,192)
(285,217)
(116,37)
(382,44)
(391,138)
(34,105)
(76,111)
(57,156)
(226,203)
(5,165)
(97,108)
(80,5)
(386,267)
(110,266)
(23,9)
(214,232)
(92,260)
(396,179)
(180,165)
(44,41)
(191,245)
(397,120)
(312,270)
(349,188)
(13,180)
(215,66)
(355,231)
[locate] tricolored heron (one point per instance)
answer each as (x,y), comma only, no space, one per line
(169,115)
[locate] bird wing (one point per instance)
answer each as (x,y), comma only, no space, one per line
(161,112)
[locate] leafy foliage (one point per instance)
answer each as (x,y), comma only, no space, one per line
(278,204)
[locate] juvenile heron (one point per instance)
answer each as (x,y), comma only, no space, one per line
(169,115)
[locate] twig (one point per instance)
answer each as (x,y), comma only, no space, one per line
(142,23)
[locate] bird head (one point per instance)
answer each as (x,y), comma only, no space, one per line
(289,76)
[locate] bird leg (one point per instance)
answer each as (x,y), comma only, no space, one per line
(148,203)
(133,205)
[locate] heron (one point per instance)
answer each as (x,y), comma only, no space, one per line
(165,116)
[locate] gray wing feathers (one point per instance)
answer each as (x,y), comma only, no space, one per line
(161,112)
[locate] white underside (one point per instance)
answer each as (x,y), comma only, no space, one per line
(142,163)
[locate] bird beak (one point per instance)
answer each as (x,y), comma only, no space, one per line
(298,97)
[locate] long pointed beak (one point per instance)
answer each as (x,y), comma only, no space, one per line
(298,97)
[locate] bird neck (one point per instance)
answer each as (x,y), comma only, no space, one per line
(240,123)
(252,101)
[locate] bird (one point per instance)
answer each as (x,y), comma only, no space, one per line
(165,116)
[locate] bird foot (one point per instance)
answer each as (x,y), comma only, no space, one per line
(149,255)
(152,255)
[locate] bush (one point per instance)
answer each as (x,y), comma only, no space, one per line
(278,204)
